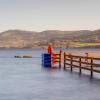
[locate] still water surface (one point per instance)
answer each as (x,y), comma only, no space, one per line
(26,79)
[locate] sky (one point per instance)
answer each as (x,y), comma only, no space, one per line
(40,15)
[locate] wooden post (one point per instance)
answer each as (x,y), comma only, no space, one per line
(91,67)
(71,63)
(80,71)
(60,59)
(64,60)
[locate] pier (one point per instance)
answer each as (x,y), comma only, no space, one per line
(70,61)
(81,62)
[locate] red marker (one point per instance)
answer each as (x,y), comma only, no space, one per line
(50,49)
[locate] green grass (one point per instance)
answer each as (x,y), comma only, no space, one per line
(81,44)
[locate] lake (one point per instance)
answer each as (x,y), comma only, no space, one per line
(26,79)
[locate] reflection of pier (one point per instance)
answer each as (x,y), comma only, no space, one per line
(80,61)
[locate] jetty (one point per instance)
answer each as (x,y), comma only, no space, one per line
(82,63)
(79,60)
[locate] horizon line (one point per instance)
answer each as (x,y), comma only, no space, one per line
(50,30)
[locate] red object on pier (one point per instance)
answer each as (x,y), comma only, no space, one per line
(50,49)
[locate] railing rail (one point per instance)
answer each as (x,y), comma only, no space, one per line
(57,58)
(79,61)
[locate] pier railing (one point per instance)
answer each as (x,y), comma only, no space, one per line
(81,62)
(56,58)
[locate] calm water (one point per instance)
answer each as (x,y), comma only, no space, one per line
(25,79)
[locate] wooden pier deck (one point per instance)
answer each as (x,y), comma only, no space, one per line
(81,61)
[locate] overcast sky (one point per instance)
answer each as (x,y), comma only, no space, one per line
(39,15)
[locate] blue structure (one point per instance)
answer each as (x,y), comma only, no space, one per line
(46,60)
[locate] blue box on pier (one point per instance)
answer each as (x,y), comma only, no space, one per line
(46,60)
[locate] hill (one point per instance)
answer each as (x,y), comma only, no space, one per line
(62,39)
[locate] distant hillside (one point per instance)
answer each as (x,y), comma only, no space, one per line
(30,39)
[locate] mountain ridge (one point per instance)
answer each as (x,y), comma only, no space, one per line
(31,39)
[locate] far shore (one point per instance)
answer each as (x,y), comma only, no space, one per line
(54,48)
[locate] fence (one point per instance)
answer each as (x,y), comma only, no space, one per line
(56,58)
(82,62)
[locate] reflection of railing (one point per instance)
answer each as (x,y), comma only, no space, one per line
(80,61)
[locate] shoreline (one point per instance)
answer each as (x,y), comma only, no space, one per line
(54,48)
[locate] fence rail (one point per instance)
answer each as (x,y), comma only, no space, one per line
(56,57)
(78,62)
(75,61)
